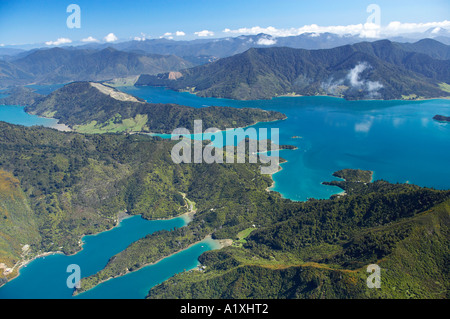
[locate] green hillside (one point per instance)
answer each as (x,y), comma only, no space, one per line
(367,70)
(58,186)
(73,185)
(90,107)
(18,226)
(323,249)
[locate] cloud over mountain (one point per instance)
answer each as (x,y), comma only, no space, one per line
(204,33)
(111,37)
(365,30)
(59,41)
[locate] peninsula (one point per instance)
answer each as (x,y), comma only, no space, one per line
(90,107)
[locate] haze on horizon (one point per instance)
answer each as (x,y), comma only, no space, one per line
(45,23)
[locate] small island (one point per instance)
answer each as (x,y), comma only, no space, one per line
(273,146)
(441,118)
(287,147)
(354,181)
(295,136)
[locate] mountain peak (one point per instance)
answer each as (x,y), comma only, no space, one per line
(365,70)
(109,49)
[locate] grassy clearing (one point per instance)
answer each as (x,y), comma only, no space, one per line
(242,235)
(444,87)
(115,125)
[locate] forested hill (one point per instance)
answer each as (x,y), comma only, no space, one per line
(322,249)
(95,108)
(367,70)
(58,186)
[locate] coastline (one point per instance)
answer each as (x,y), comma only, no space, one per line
(196,93)
(203,133)
(270,188)
(120,216)
(213,243)
(23,263)
(61,127)
(57,126)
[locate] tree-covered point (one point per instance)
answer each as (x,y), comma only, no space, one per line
(326,238)
(321,249)
(95,108)
(77,184)
(354,175)
(20,96)
(74,184)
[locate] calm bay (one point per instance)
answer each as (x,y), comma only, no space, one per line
(398,140)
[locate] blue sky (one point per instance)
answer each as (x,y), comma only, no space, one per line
(39,21)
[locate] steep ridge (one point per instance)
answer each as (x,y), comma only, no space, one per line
(367,70)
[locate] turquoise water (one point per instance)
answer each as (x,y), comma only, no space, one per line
(45,89)
(46,277)
(16,115)
(136,285)
(398,140)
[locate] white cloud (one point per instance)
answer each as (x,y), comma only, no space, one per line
(371,87)
(397,27)
(266,41)
(436,30)
(2,44)
(204,33)
(353,74)
(111,37)
(370,30)
(59,41)
(143,37)
(167,35)
(256,30)
(90,39)
(170,35)
(312,28)
(364,30)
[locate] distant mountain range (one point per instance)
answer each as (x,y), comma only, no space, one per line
(63,65)
(223,47)
(366,70)
(248,67)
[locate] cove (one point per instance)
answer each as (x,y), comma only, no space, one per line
(398,140)
(16,115)
(45,277)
